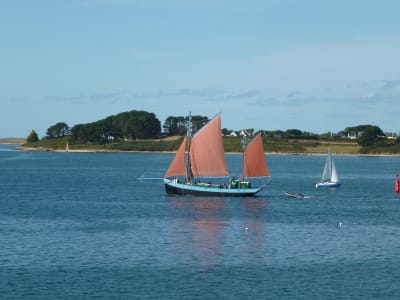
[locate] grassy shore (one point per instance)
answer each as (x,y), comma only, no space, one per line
(171,144)
(59,144)
(231,145)
(12,141)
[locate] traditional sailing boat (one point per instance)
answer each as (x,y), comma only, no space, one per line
(67,147)
(202,156)
(329,175)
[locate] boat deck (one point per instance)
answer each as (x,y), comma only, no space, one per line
(204,189)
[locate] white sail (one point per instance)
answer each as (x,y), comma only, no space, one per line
(327,173)
(334,175)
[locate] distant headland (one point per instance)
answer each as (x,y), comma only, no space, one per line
(141,131)
(12,141)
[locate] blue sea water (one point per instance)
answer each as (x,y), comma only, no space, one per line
(82,226)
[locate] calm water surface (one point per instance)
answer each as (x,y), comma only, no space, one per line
(82,226)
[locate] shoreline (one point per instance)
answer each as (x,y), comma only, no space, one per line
(41,149)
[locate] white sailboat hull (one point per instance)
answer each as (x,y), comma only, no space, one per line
(327,184)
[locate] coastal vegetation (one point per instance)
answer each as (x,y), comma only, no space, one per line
(141,131)
(231,144)
(12,141)
(32,137)
(58,130)
(126,126)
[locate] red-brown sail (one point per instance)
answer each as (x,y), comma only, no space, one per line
(177,167)
(255,164)
(207,151)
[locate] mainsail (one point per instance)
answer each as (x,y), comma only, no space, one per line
(206,153)
(207,157)
(254,159)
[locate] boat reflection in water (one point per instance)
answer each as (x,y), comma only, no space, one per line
(215,231)
(255,228)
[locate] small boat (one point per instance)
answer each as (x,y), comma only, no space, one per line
(67,147)
(294,195)
(201,157)
(329,176)
(397,184)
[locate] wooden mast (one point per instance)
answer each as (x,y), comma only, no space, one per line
(189,175)
(243,156)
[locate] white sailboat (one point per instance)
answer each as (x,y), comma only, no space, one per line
(329,176)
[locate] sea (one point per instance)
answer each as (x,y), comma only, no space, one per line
(100,226)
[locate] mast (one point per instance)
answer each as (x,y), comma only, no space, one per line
(189,175)
(243,156)
(330,163)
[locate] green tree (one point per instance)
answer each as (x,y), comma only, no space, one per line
(198,122)
(370,136)
(354,129)
(133,124)
(58,130)
(174,125)
(32,137)
(294,133)
(225,131)
(177,125)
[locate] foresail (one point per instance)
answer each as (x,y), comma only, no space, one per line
(207,157)
(255,164)
(334,177)
(177,167)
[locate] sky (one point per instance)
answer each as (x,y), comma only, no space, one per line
(314,65)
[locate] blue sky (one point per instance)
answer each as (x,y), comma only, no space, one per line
(316,66)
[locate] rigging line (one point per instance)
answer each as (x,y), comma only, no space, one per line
(150,168)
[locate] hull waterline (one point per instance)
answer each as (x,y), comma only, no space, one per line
(176,188)
(327,184)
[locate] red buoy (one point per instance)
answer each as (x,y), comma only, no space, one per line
(397,184)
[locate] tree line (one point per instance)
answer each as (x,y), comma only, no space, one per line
(126,126)
(130,125)
(133,125)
